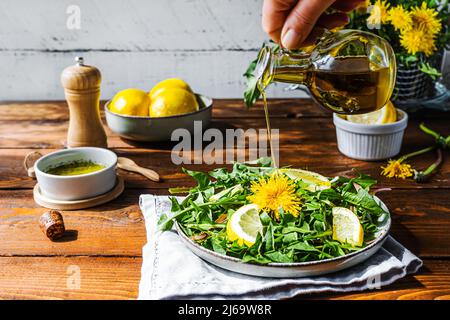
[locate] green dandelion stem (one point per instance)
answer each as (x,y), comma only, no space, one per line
(416,153)
(441,141)
(423,176)
(429,131)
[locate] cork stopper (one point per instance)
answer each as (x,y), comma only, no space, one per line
(81,77)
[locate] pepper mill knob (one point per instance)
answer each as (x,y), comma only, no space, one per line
(82,90)
(79,61)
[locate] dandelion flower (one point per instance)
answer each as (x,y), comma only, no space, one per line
(397,169)
(400,18)
(426,18)
(276,192)
(378,13)
(416,40)
(428,46)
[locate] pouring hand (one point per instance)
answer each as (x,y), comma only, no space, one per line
(292,22)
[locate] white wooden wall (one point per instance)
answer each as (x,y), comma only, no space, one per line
(135,43)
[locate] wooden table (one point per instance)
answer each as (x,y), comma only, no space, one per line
(105,242)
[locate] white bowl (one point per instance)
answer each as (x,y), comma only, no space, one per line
(76,187)
(370,142)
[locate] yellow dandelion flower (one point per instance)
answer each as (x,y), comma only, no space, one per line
(400,18)
(378,13)
(410,40)
(428,46)
(274,193)
(397,169)
(426,18)
(417,40)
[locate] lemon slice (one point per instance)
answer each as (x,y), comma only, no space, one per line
(387,114)
(346,227)
(245,225)
(314,180)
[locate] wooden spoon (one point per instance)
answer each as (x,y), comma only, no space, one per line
(130,165)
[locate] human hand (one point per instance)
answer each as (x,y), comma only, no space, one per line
(292,22)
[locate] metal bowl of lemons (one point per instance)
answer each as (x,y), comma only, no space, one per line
(153,116)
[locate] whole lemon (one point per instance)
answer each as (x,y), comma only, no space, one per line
(167,84)
(173,101)
(132,102)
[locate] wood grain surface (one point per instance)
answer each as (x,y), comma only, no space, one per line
(104,243)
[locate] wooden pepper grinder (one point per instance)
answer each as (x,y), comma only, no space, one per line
(82,89)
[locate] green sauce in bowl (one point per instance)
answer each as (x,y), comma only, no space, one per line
(75,168)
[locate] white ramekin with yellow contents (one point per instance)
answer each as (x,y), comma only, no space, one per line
(370,142)
(76,187)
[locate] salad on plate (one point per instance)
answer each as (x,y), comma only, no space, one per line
(263,215)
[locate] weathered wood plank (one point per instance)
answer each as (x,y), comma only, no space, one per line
(421,220)
(217,74)
(432,282)
(58,277)
(132,25)
(118,278)
(114,229)
(296,132)
(223,108)
(329,163)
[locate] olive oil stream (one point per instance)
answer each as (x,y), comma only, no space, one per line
(269,132)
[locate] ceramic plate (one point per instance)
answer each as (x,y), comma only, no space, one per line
(296,269)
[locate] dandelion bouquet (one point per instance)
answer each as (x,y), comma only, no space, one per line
(418,30)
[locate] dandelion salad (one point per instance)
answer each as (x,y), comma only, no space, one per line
(262,215)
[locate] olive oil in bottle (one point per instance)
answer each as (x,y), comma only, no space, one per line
(355,85)
(348,72)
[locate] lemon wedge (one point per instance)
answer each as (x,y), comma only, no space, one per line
(346,227)
(244,225)
(387,114)
(314,180)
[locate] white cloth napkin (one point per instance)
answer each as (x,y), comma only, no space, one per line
(171,271)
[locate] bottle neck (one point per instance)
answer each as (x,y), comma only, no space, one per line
(282,66)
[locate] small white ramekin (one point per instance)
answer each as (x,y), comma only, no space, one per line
(370,142)
(78,187)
